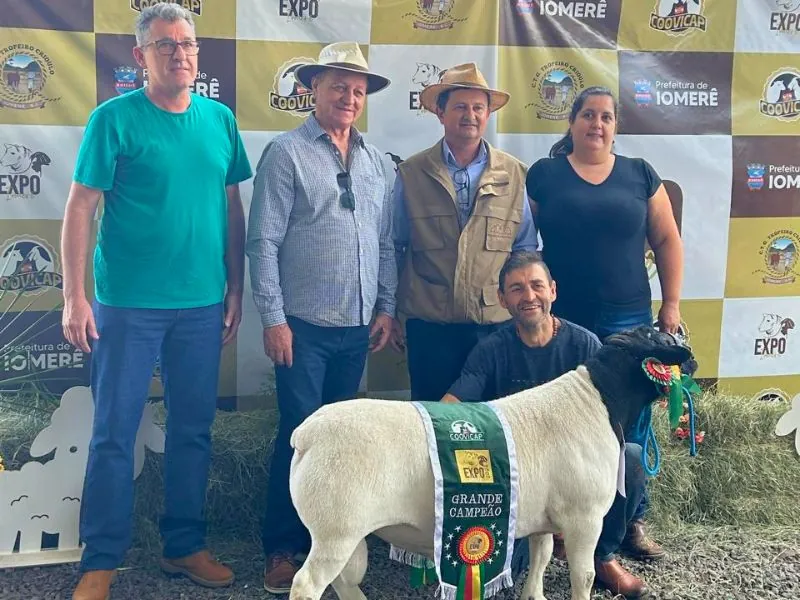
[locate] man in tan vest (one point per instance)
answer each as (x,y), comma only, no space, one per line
(460,209)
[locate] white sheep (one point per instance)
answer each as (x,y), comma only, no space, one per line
(45,498)
(362,466)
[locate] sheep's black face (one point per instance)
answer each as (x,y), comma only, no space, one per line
(644,342)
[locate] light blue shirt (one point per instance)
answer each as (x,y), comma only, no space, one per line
(310,257)
(465,180)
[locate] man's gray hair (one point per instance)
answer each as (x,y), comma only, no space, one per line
(166,11)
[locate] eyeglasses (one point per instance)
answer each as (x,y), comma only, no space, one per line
(168,47)
(347,198)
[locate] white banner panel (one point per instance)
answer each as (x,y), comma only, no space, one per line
(760,336)
(304,20)
(699,169)
(768,26)
(36,165)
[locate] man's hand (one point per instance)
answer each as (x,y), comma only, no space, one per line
(397,340)
(278,344)
(78,324)
(233,316)
(449,399)
(379,332)
(669,317)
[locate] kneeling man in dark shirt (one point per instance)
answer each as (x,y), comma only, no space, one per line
(534,348)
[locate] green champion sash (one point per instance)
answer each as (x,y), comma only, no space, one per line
(476,486)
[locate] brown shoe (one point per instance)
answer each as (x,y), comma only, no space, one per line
(637,545)
(94,585)
(201,568)
(612,576)
(279,572)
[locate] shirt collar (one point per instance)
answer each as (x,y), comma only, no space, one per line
(314,130)
(450,159)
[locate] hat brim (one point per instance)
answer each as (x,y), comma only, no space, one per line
(429,95)
(305,74)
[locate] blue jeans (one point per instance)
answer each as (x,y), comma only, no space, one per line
(613,322)
(327,365)
(189,343)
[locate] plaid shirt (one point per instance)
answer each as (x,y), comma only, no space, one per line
(310,257)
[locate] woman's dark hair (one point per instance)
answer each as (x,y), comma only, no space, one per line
(564,145)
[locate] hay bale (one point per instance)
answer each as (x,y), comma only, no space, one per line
(743,475)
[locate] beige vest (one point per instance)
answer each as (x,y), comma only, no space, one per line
(451,276)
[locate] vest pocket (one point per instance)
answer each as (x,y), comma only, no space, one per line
(426,234)
(489,294)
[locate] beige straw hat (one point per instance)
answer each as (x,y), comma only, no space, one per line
(346,56)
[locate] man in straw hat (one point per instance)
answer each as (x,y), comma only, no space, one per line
(460,209)
(322,270)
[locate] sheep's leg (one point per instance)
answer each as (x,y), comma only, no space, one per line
(346,584)
(541,549)
(580,541)
(325,562)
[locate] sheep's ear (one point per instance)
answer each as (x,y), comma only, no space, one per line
(44,443)
(672,355)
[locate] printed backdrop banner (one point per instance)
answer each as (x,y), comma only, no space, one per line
(708,92)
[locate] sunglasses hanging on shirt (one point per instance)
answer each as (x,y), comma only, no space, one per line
(347,198)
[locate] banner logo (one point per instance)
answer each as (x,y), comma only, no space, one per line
(425,75)
(678,17)
(434,15)
(580,9)
(556,84)
(298,10)
(781,96)
(288,94)
(25,70)
(21,171)
(464,431)
(773,332)
(675,93)
(125,79)
(779,252)
(774,177)
(29,265)
(195,6)
(755,176)
(786,17)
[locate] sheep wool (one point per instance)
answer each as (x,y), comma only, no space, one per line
(476,483)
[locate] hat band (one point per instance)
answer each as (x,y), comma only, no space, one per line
(346,65)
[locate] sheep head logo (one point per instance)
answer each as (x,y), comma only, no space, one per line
(790,422)
(463,431)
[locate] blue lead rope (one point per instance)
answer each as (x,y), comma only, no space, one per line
(650,438)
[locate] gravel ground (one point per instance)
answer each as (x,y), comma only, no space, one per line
(701,564)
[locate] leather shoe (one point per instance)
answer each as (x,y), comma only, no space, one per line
(279,573)
(94,585)
(612,576)
(199,567)
(637,545)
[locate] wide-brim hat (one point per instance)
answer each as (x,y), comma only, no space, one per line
(466,76)
(345,56)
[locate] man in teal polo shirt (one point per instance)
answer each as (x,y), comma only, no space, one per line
(168,271)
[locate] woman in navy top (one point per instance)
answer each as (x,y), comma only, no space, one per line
(595,211)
